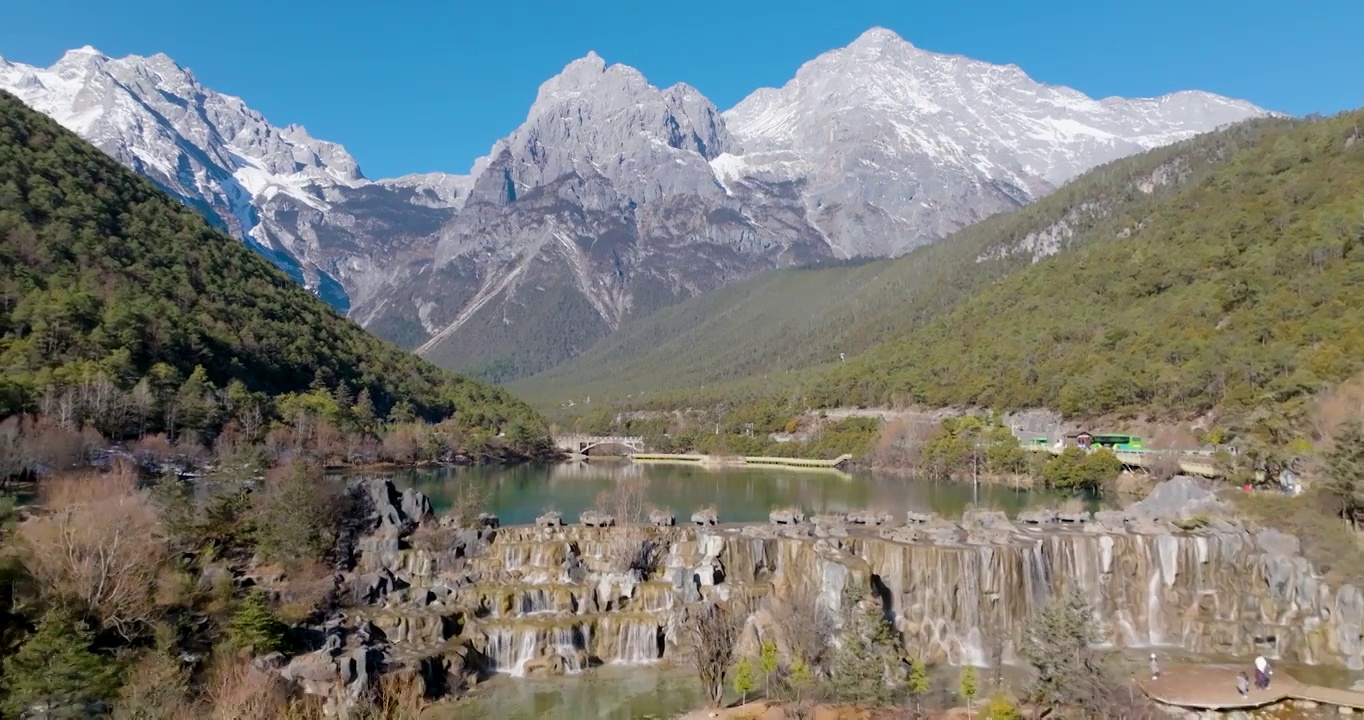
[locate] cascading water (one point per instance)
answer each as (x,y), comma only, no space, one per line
(513,644)
(629,640)
(510,648)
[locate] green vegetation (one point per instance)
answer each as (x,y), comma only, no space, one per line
(1232,290)
(917,683)
(867,655)
(1002,707)
(755,336)
(112,584)
(1344,486)
(743,679)
(767,664)
(1076,469)
(1238,290)
(1331,545)
(122,310)
(968,686)
(1071,674)
(253,627)
(972,444)
(56,670)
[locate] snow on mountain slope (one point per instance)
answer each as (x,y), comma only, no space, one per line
(257,181)
(614,197)
(899,146)
(601,206)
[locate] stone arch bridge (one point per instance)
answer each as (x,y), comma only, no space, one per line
(581,444)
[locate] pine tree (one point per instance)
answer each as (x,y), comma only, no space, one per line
(918,683)
(744,682)
(253,627)
(402,412)
(363,412)
(55,670)
(969,686)
(767,663)
(867,650)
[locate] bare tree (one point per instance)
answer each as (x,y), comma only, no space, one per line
(12,459)
(809,627)
(628,501)
(100,548)
(713,629)
(471,497)
(634,549)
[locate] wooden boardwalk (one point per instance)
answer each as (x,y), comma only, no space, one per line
(1213,687)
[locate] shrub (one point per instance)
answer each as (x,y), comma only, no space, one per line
(100,549)
(298,515)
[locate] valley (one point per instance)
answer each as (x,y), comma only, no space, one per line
(912,386)
(615,198)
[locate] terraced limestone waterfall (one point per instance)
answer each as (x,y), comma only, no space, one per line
(542,601)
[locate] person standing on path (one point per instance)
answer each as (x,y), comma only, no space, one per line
(1261,672)
(1155,668)
(1242,684)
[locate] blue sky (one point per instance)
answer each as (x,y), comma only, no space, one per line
(420,86)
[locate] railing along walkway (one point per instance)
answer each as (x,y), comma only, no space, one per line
(1213,687)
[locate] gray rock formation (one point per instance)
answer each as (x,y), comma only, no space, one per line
(614,198)
(301,202)
(1179,498)
(897,146)
(551,599)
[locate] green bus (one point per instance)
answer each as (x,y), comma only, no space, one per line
(1119,441)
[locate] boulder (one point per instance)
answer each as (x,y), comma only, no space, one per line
(827,531)
(662,518)
(1275,542)
(1179,498)
(869,517)
(553,518)
(786,516)
(488,520)
(986,519)
(593,518)
(901,534)
(1109,521)
(416,506)
(1036,517)
(369,588)
(547,665)
(705,516)
(709,573)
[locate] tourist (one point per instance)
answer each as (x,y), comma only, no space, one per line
(1155,668)
(1261,672)
(1242,684)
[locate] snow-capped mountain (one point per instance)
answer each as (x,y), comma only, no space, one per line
(614,197)
(301,201)
(898,146)
(602,205)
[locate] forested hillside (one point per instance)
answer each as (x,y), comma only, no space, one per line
(758,332)
(1244,288)
(122,308)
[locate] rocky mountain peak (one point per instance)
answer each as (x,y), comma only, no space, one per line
(879,38)
(599,119)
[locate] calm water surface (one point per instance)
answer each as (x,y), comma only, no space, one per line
(606,693)
(518,494)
